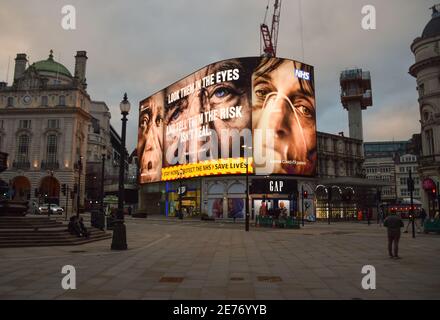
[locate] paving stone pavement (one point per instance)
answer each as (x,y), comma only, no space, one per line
(198,260)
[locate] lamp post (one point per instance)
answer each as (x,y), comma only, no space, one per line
(102,182)
(329,189)
(302,205)
(410,184)
(247,187)
(119,240)
(180,194)
(78,196)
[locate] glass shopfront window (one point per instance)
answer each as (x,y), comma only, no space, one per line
(189,200)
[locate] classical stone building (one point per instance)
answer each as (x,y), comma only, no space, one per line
(426,70)
(44,121)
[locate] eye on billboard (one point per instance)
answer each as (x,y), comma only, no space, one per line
(253,110)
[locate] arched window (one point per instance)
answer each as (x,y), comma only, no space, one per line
(23,148)
(52,148)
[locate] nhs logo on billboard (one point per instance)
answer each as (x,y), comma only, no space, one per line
(302,74)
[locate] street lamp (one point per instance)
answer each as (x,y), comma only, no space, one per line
(119,240)
(329,200)
(79,186)
(102,180)
(247,187)
(180,194)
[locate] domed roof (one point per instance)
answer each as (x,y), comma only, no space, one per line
(50,65)
(432,29)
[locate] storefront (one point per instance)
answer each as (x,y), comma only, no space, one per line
(225,198)
(185,194)
(270,194)
(348,198)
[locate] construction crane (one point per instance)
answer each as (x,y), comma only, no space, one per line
(270,38)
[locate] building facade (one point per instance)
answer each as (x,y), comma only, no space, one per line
(382,169)
(44,120)
(404,165)
(339,167)
(390,162)
(426,70)
(98,146)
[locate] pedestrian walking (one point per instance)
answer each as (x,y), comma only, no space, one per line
(393,223)
(380,217)
(422,217)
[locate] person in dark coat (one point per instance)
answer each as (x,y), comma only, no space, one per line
(82,228)
(422,217)
(393,223)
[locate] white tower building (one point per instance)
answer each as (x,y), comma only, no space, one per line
(355,97)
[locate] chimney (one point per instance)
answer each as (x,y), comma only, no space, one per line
(20,65)
(80,66)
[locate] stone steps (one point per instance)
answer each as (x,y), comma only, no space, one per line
(33,232)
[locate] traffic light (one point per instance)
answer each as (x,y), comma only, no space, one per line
(305,194)
(434,192)
(37,192)
(64,189)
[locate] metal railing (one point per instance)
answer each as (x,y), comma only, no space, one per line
(21,164)
(50,165)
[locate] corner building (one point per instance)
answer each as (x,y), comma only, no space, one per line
(197,136)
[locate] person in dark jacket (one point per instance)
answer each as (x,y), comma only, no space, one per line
(393,223)
(422,217)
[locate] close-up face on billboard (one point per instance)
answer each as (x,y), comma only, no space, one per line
(260,110)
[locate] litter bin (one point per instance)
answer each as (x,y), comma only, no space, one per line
(97,219)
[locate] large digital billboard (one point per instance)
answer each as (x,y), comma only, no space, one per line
(255,110)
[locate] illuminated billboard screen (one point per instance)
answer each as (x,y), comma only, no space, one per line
(254,110)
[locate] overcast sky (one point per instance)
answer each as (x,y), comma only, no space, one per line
(142,46)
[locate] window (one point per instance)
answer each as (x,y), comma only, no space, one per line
(51,148)
(23,148)
(429,142)
(44,101)
(62,101)
(1,124)
(53,124)
(25,124)
(1,142)
(10,102)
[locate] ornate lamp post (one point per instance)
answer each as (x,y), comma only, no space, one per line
(119,240)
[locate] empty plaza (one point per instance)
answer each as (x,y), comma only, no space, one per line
(193,259)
